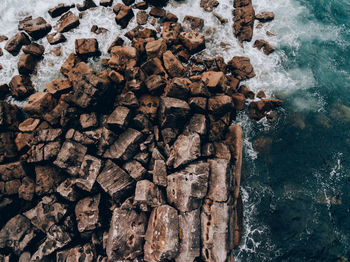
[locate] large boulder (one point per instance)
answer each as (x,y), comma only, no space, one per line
(258,109)
(36,27)
(15,44)
(67,22)
(123,13)
(241,67)
(173,112)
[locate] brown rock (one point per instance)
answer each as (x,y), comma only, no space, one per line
(29,125)
(265,17)
(43,152)
(106,3)
(59,10)
(123,14)
(243,21)
(241,67)
(170,17)
(55,38)
(34,49)
(71,62)
(155,48)
(10,115)
(195,23)
(24,141)
(214,81)
(11,187)
(220,105)
(117,42)
(86,47)
(197,124)
(221,19)
(87,213)
(160,173)
(21,87)
(157,12)
(173,66)
(198,104)
(37,28)
(178,88)
(87,4)
(85,253)
(67,191)
(162,235)
(173,112)
(7,146)
(120,117)
(147,193)
(26,64)
(128,2)
(193,41)
(3,38)
(47,178)
(98,30)
(258,109)
(246,92)
(155,84)
(209,5)
(142,17)
(135,169)
(261,94)
(266,46)
(88,172)
(170,32)
(153,67)
(4,90)
(39,103)
(238,101)
(15,44)
(67,22)
(123,58)
(149,105)
(58,87)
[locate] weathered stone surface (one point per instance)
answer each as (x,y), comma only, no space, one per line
(47,213)
(198,104)
(173,112)
(258,109)
(59,10)
(120,117)
(24,257)
(117,42)
(71,157)
(220,105)
(243,20)
(241,67)
(67,191)
(265,17)
(85,253)
(173,66)
(16,234)
(142,17)
(198,124)
(147,193)
(67,22)
(126,145)
(155,84)
(114,180)
(21,87)
(157,12)
(153,67)
(4,90)
(195,23)
(217,230)
(149,105)
(43,152)
(7,146)
(155,48)
(34,49)
(209,5)
(88,172)
(123,58)
(36,28)
(26,64)
(238,100)
(160,173)
(39,103)
(135,169)
(126,234)
(87,4)
(170,32)
(47,178)
(10,115)
(86,47)
(15,43)
(264,45)
(214,81)
(246,92)
(29,125)
(87,213)
(188,187)
(27,188)
(123,14)
(58,87)
(193,41)
(190,240)
(55,38)
(71,62)
(178,88)
(186,149)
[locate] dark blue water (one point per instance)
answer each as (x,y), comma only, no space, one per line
(297,190)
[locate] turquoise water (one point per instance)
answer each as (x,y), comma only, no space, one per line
(297,190)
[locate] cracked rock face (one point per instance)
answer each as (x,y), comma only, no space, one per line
(87,213)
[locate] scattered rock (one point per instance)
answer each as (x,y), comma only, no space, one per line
(266,46)
(155,48)
(21,87)
(37,28)
(15,44)
(87,213)
(195,23)
(193,41)
(135,169)
(85,253)
(59,10)
(173,112)
(258,109)
(265,17)
(243,20)
(123,14)
(157,12)
(34,49)
(26,64)
(67,22)
(173,66)
(87,4)
(241,67)
(106,3)
(86,47)
(209,5)
(55,38)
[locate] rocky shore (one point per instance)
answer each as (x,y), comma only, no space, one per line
(138,162)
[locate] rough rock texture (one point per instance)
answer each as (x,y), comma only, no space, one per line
(243,20)
(21,87)
(258,109)
(241,67)
(264,45)
(15,43)
(37,28)
(67,22)
(59,10)
(209,5)
(265,17)
(87,213)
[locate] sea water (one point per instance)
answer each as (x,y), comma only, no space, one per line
(295,178)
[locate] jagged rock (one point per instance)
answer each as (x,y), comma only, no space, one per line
(29,125)
(27,188)
(14,45)
(243,20)
(47,213)
(98,30)
(169,135)
(123,58)
(195,23)
(188,187)
(88,172)
(265,17)
(43,152)
(193,41)
(186,149)
(162,235)
(149,106)
(178,88)
(71,62)
(155,48)
(157,12)
(3,38)
(266,46)
(217,231)
(238,100)
(246,92)
(142,17)
(47,178)
(59,10)
(10,115)
(114,180)
(126,145)
(71,157)
(24,257)
(11,187)
(209,5)
(66,190)
(258,109)
(26,64)
(117,42)
(120,117)
(87,213)
(173,66)
(37,28)
(67,22)
(58,87)
(7,146)
(147,193)
(106,3)
(135,169)
(55,38)
(198,124)
(160,173)
(214,81)
(170,17)
(261,94)
(173,112)
(39,103)
(126,234)
(56,238)
(220,105)
(198,104)
(141,5)
(241,67)
(222,151)
(128,2)
(85,253)
(123,14)
(21,87)
(153,67)
(170,32)
(34,49)
(16,234)
(88,120)
(155,84)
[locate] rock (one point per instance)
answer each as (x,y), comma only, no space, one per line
(217,231)
(243,20)
(106,3)
(195,23)
(188,187)
(87,4)
(98,30)
(56,238)
(25,257)
(88,120)
(265,17)
(34,49)
(261,94)
(135,169)
(160,173)
(71,157)
(169,135)
(16,234)
(14,45)
(193,41)
(43,152)
(221,19)
(85,253)
(258,109)
(209,5)
(178,88)
(88,173)
(266,46)
(241,67)
(153,67)
(214,81)
(141,5)
(155,84)
(220,104)
(58,87)
(71,62)
(157,12)
(66,190)
(162,235)
(149,106)
(55,38)
(46,214)
(142,17)
(114,180)
(26,64)
(123,14)
(37,28)
(246,92)
(170,32)
(117,42)
(11,187)
(67,22)
(27,188)
(87,213)
(39,103)
(123,58)
(120,117)
(86,47)
(29,125)
(238,100)
(147,193)
(59,10)
(3,38)
(47,178)
(170,17)
(155,49)
(7,146)
(186,149)
(190,244)
(173,66)
(126,234)
(197,124)
(173,112)
(128,2)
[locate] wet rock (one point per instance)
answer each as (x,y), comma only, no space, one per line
(1,53)
(173,66)
(11,187)
(106,3)
(16,234)
(27,188)
(243,20)
(37,28)
(241,67)
(160,173)
(15,43)
(135,169)
(117,42)
(34,49)
(220,105)
(59,10)
(214,81)
(26,64)
(88,120)
(98,30)
(153,67)
(39,103)
(246,92)
(162,235)
(142,17)
(128,2)
(199,88)
(7,147)
(55,38)
(114,180)
(126,234)
(157,12)
(147,193)
(264,45)
(258,109)
(120,117)
(195,23)
(238,101)
(186,149)
(169,135)
(71,62)
(87,213)
(87,4)
(12,171)
(67,22)
(71,157)
(58,87)
(67,191)
(24,257)
(155,48)
(173,112)
(221,19)
(88,173)
(188,187)
(47,213)
(123,58)
(86,47)
(141,5)
(197,124)
(178,88)
(85,253)
(193,41)
(265,17)
(123,14)
(3,38)
(198,104)
(209,5)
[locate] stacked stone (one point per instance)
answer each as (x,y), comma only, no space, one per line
(138,161)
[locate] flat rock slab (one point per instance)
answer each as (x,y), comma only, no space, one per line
(67,22)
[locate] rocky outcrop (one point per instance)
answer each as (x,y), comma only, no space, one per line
(243,20)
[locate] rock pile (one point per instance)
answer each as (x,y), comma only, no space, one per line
(138,161)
